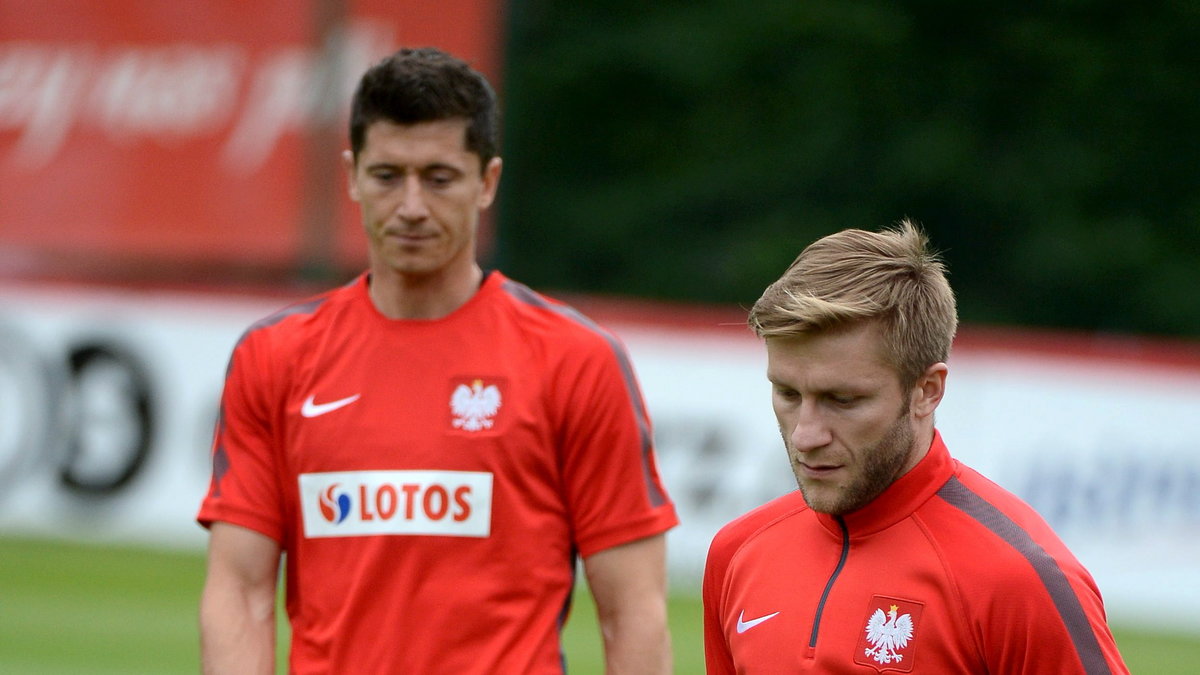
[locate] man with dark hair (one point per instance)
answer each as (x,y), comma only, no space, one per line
(432,445)
(892,556)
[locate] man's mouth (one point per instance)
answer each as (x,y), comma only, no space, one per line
(817,471)
(407,237)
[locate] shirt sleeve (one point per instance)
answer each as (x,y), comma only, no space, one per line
(610,475)
(717,657)
(1059,628)
(245,486)
(1032,608)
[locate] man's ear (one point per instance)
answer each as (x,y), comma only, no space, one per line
(348,164)
(928,391)
(491,182)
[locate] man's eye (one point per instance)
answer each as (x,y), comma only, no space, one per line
(440,178)
(843,399)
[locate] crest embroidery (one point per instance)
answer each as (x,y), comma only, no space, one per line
(474,407)
(888,638)
(888,635)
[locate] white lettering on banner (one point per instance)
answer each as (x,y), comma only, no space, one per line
(355,503)
(174,91)
(296,86)
(177,92)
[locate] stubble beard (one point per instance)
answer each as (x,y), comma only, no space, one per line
(880,466)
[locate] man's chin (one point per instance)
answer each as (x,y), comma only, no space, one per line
(823,498)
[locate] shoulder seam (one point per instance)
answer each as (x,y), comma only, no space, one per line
(764,527)
(525,295)
(303,307)
(951,573)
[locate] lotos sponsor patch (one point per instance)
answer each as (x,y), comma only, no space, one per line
(357,503)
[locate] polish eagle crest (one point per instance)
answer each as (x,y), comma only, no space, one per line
(474,406)
(888,634)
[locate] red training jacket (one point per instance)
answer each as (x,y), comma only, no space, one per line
(945,572)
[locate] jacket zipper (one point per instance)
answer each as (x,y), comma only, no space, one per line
(812,641)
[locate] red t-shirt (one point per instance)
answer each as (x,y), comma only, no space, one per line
(432,482)
(945,572)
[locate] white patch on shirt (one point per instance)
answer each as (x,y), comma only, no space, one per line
(356,503)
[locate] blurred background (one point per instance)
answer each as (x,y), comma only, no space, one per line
(690,150)
(170,172)
(683,151)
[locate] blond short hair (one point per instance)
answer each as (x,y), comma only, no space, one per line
(853,276)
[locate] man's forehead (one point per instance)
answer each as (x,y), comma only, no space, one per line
(448,135)
(829,356)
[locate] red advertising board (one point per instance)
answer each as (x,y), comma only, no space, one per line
(148,138)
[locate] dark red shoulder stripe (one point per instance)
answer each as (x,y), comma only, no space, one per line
(1052,576)
(299,308)
(220,458)
(526,295)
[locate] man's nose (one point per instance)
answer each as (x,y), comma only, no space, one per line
(811,431)
(412,205)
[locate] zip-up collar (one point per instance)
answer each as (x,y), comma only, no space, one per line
(816,629)
(900,499)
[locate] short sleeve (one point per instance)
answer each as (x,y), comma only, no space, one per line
(717,657)
(614,492)
(245,489)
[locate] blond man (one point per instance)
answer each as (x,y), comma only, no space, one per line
(892,556)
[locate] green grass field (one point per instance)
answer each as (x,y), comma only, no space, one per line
(70,608)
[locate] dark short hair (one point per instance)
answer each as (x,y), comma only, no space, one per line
(426,85)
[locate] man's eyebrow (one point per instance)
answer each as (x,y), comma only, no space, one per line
(441,166)
(381,165)
(435,166)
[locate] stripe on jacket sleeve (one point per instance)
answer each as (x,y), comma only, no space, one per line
(1056,583)
(526,295)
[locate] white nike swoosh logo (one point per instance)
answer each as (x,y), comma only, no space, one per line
(743,626)
(313,409)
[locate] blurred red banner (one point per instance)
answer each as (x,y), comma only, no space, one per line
(142,138)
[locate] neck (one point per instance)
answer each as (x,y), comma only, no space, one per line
(404,296)
(922,439)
